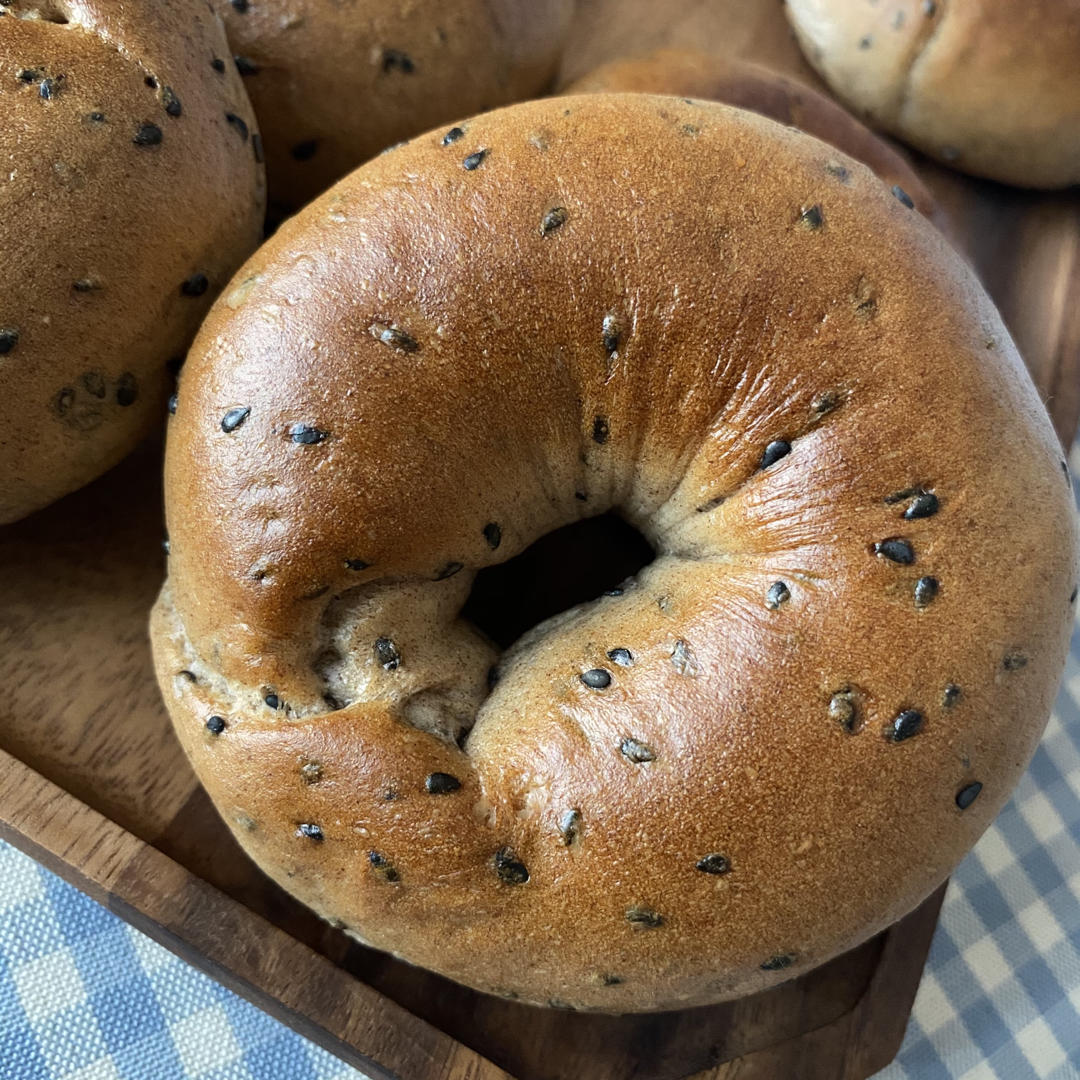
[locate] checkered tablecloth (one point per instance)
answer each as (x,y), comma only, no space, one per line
(83,996)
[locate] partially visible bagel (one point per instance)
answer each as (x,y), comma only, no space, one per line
(333,84)
(688,73)
(990,87)
(132,189)
(777,739)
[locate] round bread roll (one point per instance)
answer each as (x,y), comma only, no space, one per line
(333,83)
(133,188)
(991,87)
(688,73)
(774,741)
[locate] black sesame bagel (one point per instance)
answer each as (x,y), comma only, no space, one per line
(777,739)
(133,188)
(689,73)
(333,83)
(991,87)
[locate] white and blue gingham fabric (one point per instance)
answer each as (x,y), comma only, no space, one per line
(83,996)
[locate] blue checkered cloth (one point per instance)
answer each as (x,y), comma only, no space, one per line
(84,996)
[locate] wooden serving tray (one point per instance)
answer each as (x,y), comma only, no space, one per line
(93,784)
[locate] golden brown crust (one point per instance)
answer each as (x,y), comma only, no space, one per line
(991,87)
(334,84)
(129,198)
(687,73)
(585,303)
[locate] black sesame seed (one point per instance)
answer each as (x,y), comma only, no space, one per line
(493,535)
(218,65)
(85,285)
(239,124)
(127,390)
(398,339)
(96,117)
(509,867)
(306,435)
(895,550)
(866,42)
(778,594)
(903,196)
(171,102)
(905,725)
(245,65)
(581,496)
(1073,594)
(452,135)
(570,826)
(171,404)
(449,570)
(312,832)
(1014,661)
(441,783)
(311,772)
(272,701)
(622,657)
(967,795)
(151,82)
(611,334)
(776,450)
(49,88)
(950,696)
(637,752)
(714,864)
(9,338)
(257,148)
(234,418)
(611,980)
(215,725)
(778,963)
(383,867)
(148,135)
(356,564)
(834,168)
(196,285)
(600,430)
(386,654)
(644,917)
(305,151)
(926,590)
(842,709)
(553,219)
(812,217)
(474,161)
(929,8)
(614,592)
(395,59)
(29,75)
(596,678)
(924,505)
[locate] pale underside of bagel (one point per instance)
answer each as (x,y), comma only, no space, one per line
(990,87)
(745,344)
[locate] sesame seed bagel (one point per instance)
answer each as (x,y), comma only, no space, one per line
(689,73)
(775,740)
(333,83)
(990,87)
(132,190)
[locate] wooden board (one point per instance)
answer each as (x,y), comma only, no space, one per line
(93,783)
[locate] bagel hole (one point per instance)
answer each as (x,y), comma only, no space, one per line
(564,568)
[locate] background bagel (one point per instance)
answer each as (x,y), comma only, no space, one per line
(731,771)
(132,190)
(689,73)
(991,87)
(333,84)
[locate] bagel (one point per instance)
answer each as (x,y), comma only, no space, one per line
(774,741)
(688,73)
(133,188)
(333,84)
(990,87)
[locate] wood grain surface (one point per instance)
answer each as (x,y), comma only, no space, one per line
(93,783)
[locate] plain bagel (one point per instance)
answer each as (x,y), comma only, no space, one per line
(688,73)
(775,741)
(333,84)
(132,189)
(991,87)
